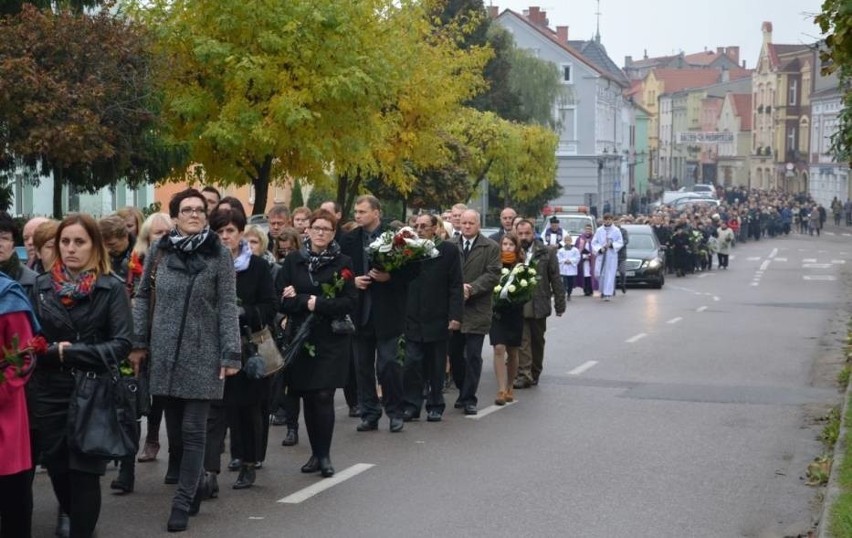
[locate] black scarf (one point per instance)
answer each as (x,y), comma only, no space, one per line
(317,261)
(12,266)
(188,243)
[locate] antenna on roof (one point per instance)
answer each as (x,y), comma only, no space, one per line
(598,15)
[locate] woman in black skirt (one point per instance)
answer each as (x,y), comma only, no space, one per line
(507,326)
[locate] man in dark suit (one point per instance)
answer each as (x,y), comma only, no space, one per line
(481,272)
(379,321)
(507,223)
(434,308)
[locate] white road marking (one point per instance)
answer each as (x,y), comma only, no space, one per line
(773,253)
(847,235)
(326,483)
(809,260)
(819,277)
(838,261)
(780,259)
(701,309)
(716,298)
(816,265)
(484,412)
(828,233)
(674,320)
(755,283)
(582,368)
(765,265)
(732,257)
(753,258)
(636,338)
(703,275)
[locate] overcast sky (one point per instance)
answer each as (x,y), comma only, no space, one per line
(663,27)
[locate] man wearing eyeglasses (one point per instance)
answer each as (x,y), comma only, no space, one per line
(434,308)
(379,320)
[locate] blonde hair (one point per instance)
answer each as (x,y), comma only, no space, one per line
(143,242)
(129,211)
(257,231)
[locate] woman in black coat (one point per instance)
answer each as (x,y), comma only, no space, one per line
(323,363)
(243,399)
(84,311)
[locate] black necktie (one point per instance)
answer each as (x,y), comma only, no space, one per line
(466,247)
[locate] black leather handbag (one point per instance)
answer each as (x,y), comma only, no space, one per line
(102,413)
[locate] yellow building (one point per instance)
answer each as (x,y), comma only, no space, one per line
(780,115)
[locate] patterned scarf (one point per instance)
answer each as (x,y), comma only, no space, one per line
(318,261)
(71,289)
(188,243)
(241,262)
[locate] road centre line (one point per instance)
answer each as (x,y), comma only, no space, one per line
(809,260)
(838,261)
(765,265)
(716,298)
(780,259)
(488,410)
(582,368)
(326,483)
(773,253)
(753,258)
(636,338)
(674,320)
(701,309)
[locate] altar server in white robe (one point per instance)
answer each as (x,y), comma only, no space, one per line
(606,243)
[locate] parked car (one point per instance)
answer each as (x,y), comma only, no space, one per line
(573,223)
(707,190)
(646,258)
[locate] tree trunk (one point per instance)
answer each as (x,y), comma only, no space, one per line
(347,190)
(57,192)
(261,186)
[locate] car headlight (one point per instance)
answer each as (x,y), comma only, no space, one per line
(655,263)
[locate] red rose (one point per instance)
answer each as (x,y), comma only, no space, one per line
(38,345)
(346,274)
(408,252)
(398,240)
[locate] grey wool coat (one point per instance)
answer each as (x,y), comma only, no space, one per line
(481,269)
(193,328)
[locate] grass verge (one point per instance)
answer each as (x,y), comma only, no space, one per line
(840,516)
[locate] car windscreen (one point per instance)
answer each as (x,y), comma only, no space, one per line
(574,225)
(640,242)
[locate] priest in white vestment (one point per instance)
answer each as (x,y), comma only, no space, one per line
(606,243)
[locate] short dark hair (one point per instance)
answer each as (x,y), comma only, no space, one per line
(337,207)
(433,219)
(222,217)
(233,202)
(324,215)
(178,197)
(370,199)
(525,221)
(214,190)
(113,227)
(7,224)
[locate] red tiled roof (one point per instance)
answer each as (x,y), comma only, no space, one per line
(779,50)
(741,103)
(701,58)
(675,80)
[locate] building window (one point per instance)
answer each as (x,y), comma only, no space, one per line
(567,73)
(791,138)
(792,92)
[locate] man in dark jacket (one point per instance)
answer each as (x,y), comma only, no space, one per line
(507,222)
(536,311)
(379,321)
(481,272)
(9,261)
(434,308)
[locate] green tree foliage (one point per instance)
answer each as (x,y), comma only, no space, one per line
(13,7)
(835,21)
(78,98)
(296,198)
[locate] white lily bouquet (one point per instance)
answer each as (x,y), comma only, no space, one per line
(516,285)
(393,250)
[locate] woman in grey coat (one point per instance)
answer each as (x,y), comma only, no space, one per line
(186,321)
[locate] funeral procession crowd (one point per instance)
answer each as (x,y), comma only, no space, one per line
(224,328)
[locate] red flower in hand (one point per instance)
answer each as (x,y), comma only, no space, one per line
(38,345)
(346,274)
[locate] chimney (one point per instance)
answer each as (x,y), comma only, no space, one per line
(562,34)
(628,61)
(766,28)
(493,11)
(744,66)
(720,51)
(537,17)
(734,54)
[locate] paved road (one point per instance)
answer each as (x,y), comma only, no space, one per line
(687,411)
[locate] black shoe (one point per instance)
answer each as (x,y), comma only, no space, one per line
(246,478)
(470,409)
(258,465)
(63,524)
(354,411)
(292,437)
(178,520)
(126,475)
(521,383)
(235,464)
(325,467)
(173,470)
(410,414)
(278,418)
(458,405)
(209,486)
(396,425)
(367,425)
(433,416)
(311,466)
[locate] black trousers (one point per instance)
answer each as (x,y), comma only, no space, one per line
(186,427)
(424,368)
(214,445)
(155,417)
(378,358)
(246,423)
(350,391)
(723,260)
(319,420)
(466,360)
(79,496)
(16,504)
(291,404)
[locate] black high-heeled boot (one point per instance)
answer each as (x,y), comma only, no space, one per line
(126,476)
(173,470)
(246,478)
(326,469)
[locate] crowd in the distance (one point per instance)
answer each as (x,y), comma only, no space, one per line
(175,300)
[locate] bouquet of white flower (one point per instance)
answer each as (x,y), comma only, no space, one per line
(516,285)
(392,250)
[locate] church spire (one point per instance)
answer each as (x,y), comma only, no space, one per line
(598,15)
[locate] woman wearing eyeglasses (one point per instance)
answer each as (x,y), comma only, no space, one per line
(322,365)
(187,297)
